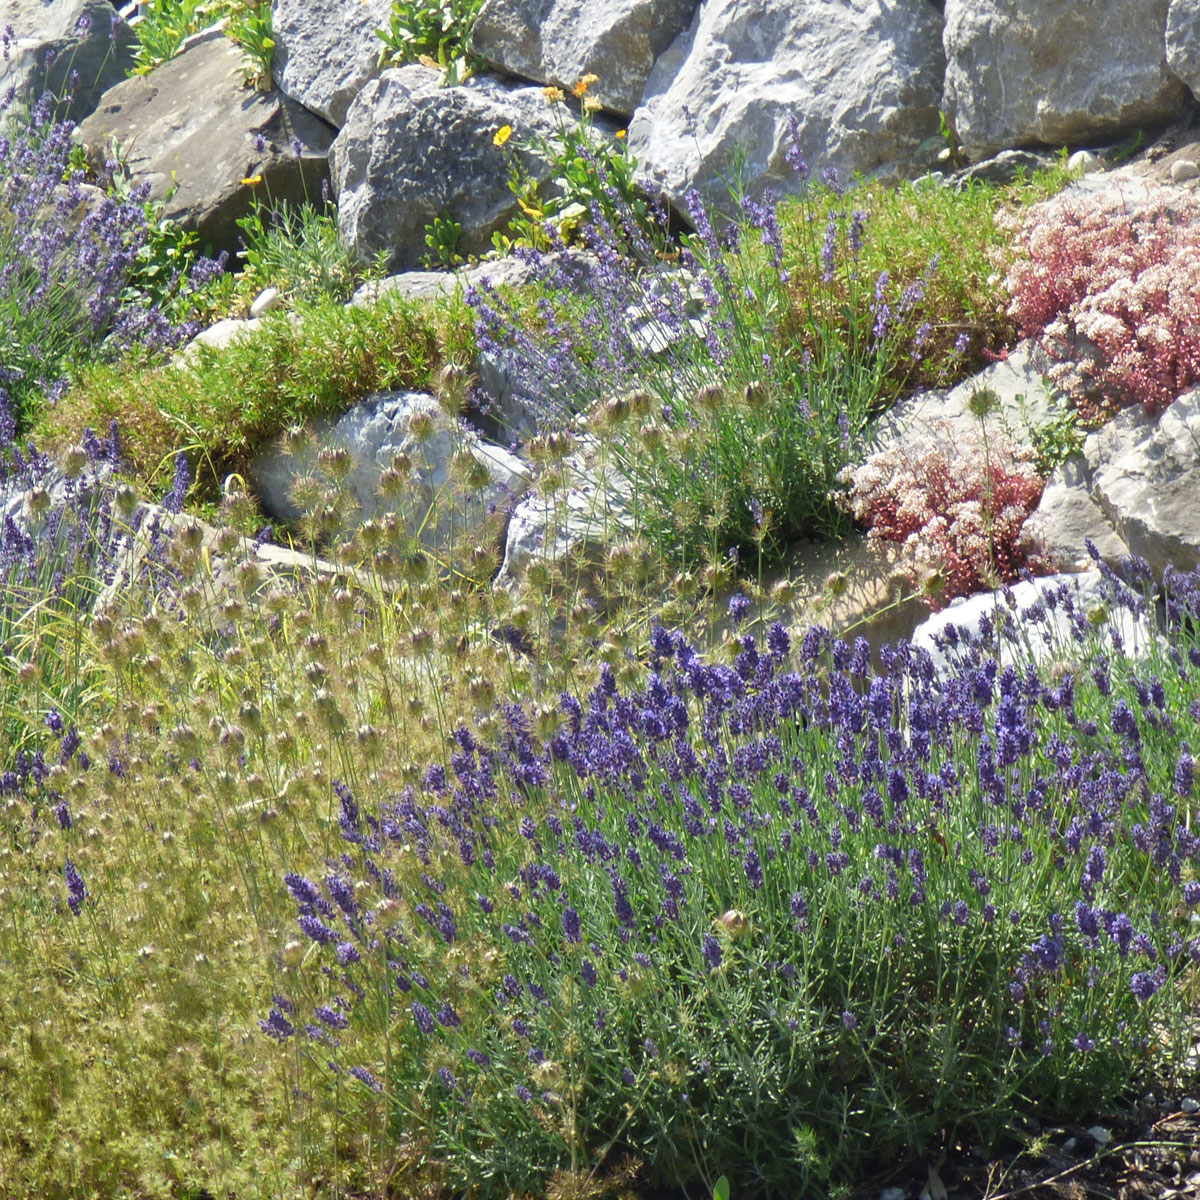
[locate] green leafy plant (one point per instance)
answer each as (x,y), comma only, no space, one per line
(250,27)
(164,24)
(441,236)
(591,177)
(437,32)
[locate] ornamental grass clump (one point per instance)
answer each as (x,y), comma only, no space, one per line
(782,919)
(1110,284)
(755,378)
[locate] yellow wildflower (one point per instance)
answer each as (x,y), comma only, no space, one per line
(620,133)
(591,104)
(584,83)
(553,95)
(252,180)
(502,135)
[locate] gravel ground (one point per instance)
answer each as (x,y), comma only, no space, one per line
(1149,1152)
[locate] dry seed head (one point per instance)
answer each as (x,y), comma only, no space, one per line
(452,389)
(126,501)
(708,398)
(336,461)
(227,540)
(74,459)
(783,592)
(421,425)
(836,583)
(295,440)
(191,535)
(639,401)
(754,394)
(652,436)
(37,501)
(249,576)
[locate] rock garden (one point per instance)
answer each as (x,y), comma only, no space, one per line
(599,600)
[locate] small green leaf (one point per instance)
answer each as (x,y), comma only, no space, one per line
(721,1188)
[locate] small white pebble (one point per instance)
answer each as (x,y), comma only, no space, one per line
(893,1193)
(1069,1145)
(1099,1135)
(1083,160)
(266,300)
(1183,170)
(1189,1104)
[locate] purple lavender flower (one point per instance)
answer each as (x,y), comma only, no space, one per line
(76,891)
(739,607)
(277,1026)
(713,954)
(849,1020)
(423,1017)
(365,1077)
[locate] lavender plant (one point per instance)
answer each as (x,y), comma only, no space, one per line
(752,382)
(783,919)
(70,255)
(66,526)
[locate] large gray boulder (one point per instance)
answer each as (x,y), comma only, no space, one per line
(198,135)
(1141,475)
(560,41)
(53,40)
(326,50)
(862,80)
(1183,41)
(1024,72)
(412,150)
(434,499)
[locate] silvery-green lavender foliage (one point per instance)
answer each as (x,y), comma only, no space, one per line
(784,919)
(762,378)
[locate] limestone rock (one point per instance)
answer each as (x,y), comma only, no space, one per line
(1024,72)
(862,79)
(192,125)
(1184,169)
(1083,161)
(1145,475)
(560,41)
(1134,486)
(86,36)
(326,50)
(1066,517)
(1015,387)
(412,150)
(1183,42)
(1005,167)
(590,513)
(434,503)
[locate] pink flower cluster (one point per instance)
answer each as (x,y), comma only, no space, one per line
(1111,285)
(955,509)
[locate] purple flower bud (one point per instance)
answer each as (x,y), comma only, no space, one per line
(423,1017)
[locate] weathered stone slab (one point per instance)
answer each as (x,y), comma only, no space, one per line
(862,80)
(434,499)
(195,131)
(1029,72)
(412,151)
(560,41)
(326,50)
(53,41)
